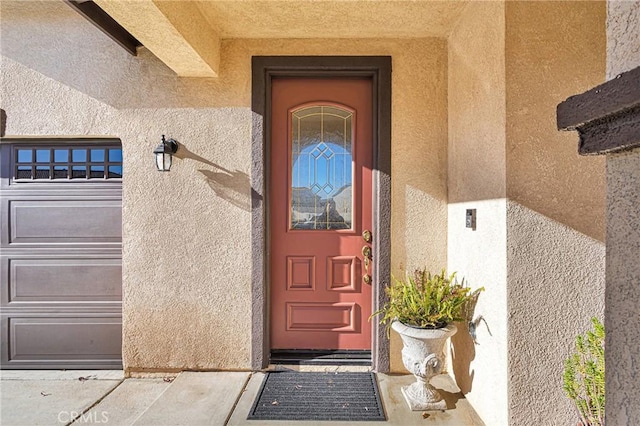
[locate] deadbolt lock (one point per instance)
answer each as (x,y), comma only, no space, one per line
(366,235)
(366,278)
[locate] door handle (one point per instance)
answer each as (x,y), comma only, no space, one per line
(366,256)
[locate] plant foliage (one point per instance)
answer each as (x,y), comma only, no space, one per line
(425,300)
(584,376)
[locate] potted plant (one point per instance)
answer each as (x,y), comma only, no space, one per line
(421,308)
(583,376)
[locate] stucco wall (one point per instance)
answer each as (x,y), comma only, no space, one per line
(477,180)
(185,276)
(623,36)
(186,234)
(622,318)
(538,247)
(554,50)
(555,213)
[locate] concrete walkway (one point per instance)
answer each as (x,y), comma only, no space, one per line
(33,398)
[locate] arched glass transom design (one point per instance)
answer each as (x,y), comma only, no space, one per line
(322,168)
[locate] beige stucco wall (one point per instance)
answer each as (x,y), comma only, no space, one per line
(623,36)
(554,50)
(477,180)
(555,213)
(186,234)
(539,243)
(622,318)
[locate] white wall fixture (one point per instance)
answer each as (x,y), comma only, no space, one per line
(470,219)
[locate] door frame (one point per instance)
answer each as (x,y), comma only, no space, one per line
(264,69)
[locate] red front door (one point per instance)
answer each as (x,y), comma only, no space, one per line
(320,206)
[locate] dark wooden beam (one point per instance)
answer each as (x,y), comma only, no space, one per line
(606,117)
(98,17)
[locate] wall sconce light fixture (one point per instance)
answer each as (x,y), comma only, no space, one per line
(164,154)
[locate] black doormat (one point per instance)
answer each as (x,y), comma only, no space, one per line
(290,395)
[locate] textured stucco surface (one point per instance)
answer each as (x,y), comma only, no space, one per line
(331,19)
(554,50)
(622,317)
(186,234)
(176,32)
(477,180)
(555,212)
(623,36)
(477,163)
(480,257)
(185,274)
(538,243)
(94,65)
(556,283)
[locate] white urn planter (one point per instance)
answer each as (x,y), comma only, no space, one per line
(422,356)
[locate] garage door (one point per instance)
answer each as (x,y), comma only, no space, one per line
(61,258)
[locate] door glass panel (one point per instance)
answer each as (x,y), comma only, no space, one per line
(78,172)
(60,172)
(24,172)
(42,172)
(115,171)
(97,172)
(89,162)
(97,155)
(322,169)
(115,155)
(24,155)
(61,155)
(79,155)
(43,155)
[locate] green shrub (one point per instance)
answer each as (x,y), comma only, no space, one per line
(425,300)
(584,376)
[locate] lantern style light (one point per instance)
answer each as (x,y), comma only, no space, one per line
(164,154)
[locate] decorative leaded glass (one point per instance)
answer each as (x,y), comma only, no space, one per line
(322,169)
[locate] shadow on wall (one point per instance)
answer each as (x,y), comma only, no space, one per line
(463,349)
(232,186)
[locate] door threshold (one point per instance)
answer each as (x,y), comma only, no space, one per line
(321,357)
(320,368)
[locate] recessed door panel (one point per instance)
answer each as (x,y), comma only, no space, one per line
(338,317)
(342,273)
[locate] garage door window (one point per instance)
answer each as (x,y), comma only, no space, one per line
(70,163)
